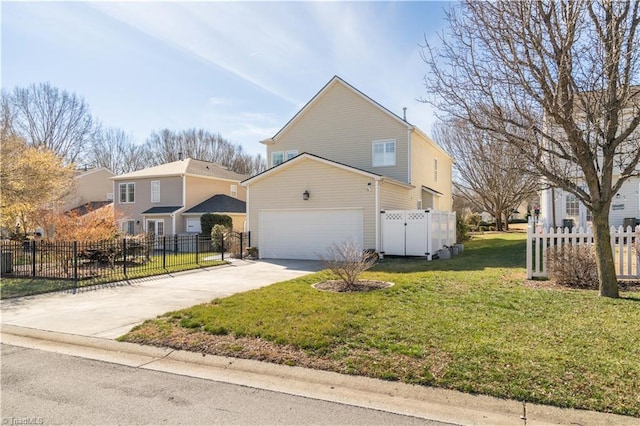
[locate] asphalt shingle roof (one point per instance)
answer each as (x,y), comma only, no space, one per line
(220,203)
(188,166)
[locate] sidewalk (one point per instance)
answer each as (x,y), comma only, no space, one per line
(84,325)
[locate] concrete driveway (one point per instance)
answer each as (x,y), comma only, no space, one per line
(111,310)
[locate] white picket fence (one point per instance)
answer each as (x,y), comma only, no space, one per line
(540,239)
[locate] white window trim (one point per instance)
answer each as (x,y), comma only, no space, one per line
(273,154)
(127,194)
(384,143)
(234,190)
(156,221)
(156,192)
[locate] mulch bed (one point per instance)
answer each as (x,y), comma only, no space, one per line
(338,286)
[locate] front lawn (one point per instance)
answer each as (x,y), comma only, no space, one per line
(469,324)
(26,286)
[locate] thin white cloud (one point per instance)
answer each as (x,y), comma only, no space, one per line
(222,34)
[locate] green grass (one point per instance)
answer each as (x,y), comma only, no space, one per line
(18,287)
(467,323)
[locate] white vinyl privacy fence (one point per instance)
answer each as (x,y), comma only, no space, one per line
(624,243)
(416,232)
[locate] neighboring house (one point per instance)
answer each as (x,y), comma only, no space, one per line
(340,161)
(559,207)
(625,205)
(161,200)
(93,190)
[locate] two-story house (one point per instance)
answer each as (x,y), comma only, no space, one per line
(340,161)
(559,207)
(170,198)
(92,190)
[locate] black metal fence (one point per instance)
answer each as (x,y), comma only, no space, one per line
(76,263)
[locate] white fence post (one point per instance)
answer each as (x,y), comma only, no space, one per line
(530,249)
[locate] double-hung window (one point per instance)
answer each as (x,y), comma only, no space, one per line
(277,158)
(155,191)
(288,155)
(384,153)
(234,190)
(127,192)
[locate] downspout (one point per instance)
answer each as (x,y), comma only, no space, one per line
(408,155)
(248,225)
(377,210)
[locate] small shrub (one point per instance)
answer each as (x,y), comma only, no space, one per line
(347,261)
(219,236)
(209,220)
(462,229)
(573,266)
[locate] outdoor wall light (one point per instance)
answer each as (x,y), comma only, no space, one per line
(305,195)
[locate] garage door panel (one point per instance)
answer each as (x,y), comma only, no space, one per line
(306,234)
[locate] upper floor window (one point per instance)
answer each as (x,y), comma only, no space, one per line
(288,155)
(127,192)
(435,169)
(155,191)
(384,153)
(234,190)
(277,158)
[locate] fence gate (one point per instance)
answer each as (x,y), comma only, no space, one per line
(406,233)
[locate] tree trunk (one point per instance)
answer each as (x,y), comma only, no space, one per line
(604,255)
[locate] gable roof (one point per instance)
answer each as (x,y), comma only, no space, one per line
(78,173)
(219,203)
(334,81)
(188,166)
(305,155)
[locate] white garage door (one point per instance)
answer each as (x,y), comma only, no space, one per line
(305,234)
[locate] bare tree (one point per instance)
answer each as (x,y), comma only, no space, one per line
(51,118)
(488,171)
(557,80)
(114,149)
(167,146)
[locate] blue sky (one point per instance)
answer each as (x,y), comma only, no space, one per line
(238,68)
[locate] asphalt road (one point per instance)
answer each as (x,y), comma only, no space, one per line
(40,387)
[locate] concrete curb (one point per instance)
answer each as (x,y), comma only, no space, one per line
(418,401)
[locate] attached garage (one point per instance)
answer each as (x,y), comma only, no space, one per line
(299,208)
(307,233)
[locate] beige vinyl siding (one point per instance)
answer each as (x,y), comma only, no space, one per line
(93,185)
(341,126)
(394,197)
(422,170)
(170,195)
(329,187)
(200,189)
